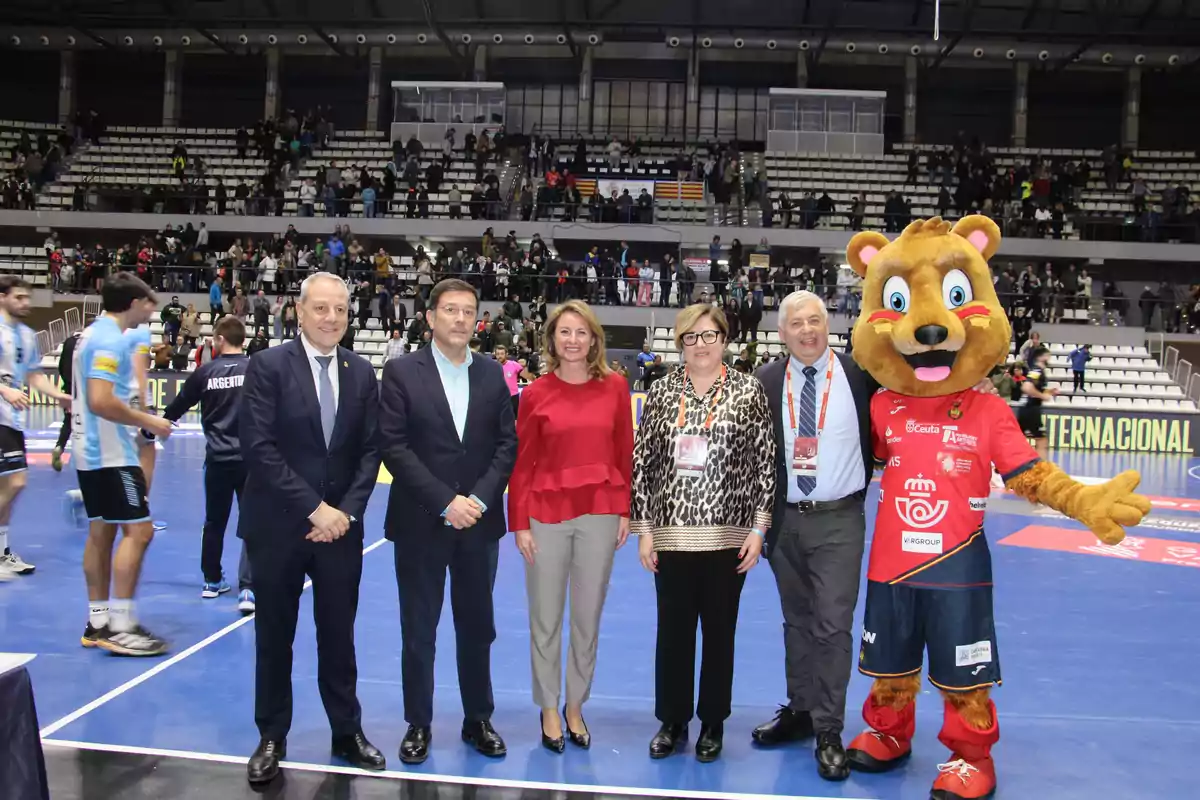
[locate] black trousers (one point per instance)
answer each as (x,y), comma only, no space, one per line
(279,571)
(64,431)
(222,480)
(706,588)
(422,562)
(1077,375)
(817,560)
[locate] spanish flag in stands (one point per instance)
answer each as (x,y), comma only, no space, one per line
(678,190)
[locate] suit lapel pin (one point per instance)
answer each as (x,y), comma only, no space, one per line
(345,364)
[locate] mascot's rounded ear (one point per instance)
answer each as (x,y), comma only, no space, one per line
(862,248)
(981,232)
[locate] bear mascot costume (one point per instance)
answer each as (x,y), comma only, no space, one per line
(931,328)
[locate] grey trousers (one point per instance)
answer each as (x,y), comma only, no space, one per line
(817,561)
(578,552)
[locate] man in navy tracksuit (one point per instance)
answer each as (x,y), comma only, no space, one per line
(217,386)
(1079,358)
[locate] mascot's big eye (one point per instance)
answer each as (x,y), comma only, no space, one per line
(895,294)
(956,289)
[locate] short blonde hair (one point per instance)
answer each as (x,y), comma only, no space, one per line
(686,319)
(597,358)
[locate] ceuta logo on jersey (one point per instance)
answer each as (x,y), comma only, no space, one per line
(918,509)
(913,426)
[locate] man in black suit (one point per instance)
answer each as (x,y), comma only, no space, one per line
(308,425)
(448,437)
(820,404)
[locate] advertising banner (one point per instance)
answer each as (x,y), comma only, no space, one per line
(1120,431)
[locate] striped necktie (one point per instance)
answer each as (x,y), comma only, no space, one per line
(807,426)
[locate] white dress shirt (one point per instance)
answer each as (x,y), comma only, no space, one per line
(839,453)
(315,366)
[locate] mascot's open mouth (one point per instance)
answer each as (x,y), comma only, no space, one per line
(932,365)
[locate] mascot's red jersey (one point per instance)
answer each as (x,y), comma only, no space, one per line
(939,453)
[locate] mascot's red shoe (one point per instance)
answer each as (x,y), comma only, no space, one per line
(963,780)
(970,774)
(888,743)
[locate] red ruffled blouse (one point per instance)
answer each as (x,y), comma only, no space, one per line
(574,451)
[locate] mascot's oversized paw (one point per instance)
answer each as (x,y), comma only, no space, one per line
(1109,507)
(1106,508)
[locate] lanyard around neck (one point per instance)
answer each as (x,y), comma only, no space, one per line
(824,399)
(712,409)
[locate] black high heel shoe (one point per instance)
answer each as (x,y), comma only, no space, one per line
(582,740)
(553,745)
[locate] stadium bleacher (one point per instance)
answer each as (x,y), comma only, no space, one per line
(845,176)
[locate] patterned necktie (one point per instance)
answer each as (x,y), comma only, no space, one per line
(807,426)
(325,398)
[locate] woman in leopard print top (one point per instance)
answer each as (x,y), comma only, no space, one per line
(703,487)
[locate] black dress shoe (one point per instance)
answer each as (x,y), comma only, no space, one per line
(788,726)
(264,764)
(583,740)
(670,737)
(832,764)
(555,744)
(483,737)
(708,746)
(414,748)
(359,752)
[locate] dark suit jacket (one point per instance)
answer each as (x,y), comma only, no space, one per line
(862,387)
(421,449)
(289,471)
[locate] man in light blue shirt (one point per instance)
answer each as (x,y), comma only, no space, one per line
(448,438)
(820,405)
(456,383)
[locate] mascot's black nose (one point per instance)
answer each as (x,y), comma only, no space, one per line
(931,335)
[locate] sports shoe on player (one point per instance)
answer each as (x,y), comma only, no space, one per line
(246,601)
(159,526)
(212,590)
(13,562)
(7,573)
(136,642)
(73,508)
(92,636)
(56,459)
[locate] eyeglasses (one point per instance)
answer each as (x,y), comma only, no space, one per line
(708,337)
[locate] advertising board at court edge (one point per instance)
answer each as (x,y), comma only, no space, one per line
(1111,431)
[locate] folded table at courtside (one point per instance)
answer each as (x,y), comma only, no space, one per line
(22,765)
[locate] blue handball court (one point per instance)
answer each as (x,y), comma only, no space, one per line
(1098,647)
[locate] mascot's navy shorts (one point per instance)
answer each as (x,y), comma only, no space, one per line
(954,624)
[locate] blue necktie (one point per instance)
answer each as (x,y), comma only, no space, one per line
(325,398)
(807,426)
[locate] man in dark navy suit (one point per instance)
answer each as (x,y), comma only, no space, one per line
(448,437)
(308,427)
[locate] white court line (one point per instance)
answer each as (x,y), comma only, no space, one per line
(496,783)
(59,724)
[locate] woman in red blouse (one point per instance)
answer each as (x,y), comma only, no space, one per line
(568,505)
